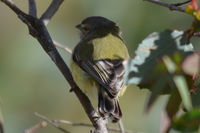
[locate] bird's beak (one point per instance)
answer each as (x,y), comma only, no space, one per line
(79,26)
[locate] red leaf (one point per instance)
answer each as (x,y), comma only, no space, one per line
(191,64)
(193,5)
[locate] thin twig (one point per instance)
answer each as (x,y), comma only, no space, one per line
(36,127)
(77,123)
(182,3)
(57,44)
(119,130)
(168,5)
(51,10)
(72,123)
(32,8)
(51,123)
(121,126)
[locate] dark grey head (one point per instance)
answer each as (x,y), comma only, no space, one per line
(96,26)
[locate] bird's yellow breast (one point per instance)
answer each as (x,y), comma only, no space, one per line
(83,80)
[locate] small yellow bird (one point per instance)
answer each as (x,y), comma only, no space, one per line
(97,63)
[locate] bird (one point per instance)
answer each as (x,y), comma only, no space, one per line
(97,63)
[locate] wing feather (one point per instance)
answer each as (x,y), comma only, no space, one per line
(108,73)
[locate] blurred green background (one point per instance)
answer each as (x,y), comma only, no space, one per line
(30,82)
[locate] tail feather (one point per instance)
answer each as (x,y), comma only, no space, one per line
(117,112)
(109,107)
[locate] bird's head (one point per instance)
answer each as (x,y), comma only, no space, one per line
(97,26)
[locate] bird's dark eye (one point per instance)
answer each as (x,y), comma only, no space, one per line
(85,28)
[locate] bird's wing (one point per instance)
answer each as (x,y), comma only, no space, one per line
(108,73)
(102,59)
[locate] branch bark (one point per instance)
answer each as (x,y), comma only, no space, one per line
(51,10)
(57,44)
(37,28)
(36,127)
(32,8)
(121,126)
(52,122)
(168,5)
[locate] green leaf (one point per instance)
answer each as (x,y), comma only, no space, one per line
(197,15)
(147,68)
(189,11)
(163,85)
(184,91)
(180,83)
(173,104)
(196,99)
(196,92)
(156,89)
(196,25)
(141,69)
(194,13)
(188,122)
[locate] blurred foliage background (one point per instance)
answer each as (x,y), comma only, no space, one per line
(30,82)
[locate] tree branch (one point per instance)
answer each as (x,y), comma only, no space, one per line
(168,5)
(39,31)
(36,127)
(51,10)
(44,118)
(182,3)
(12,6)
(32,8)
(51,123)
(57,44)
(121,126)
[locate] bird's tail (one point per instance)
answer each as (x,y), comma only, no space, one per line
(108,107)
